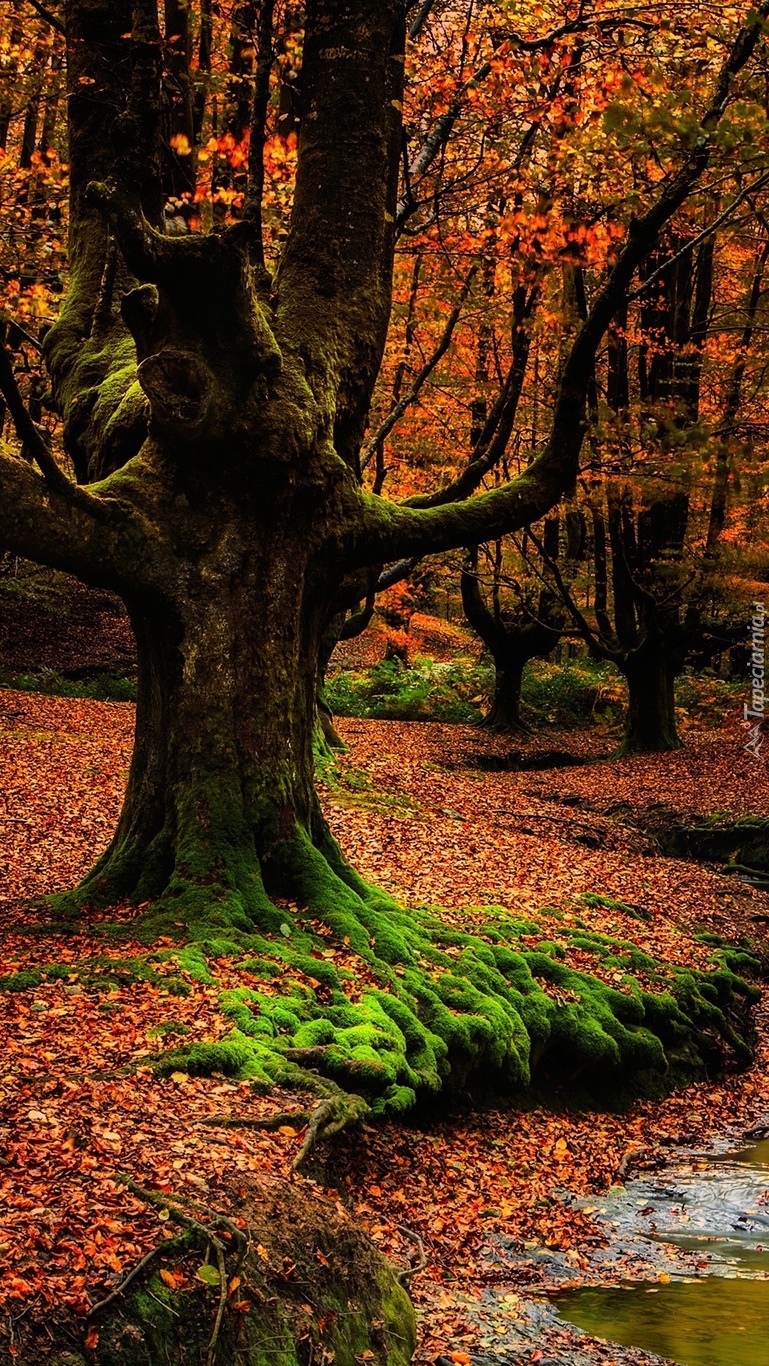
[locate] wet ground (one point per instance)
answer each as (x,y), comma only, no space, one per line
(687,1265)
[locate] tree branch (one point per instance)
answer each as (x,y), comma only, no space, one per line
(34,444)
(440,133)
(419,22)
(334,282)
(594,642)
(112,549)
(113,106)
(252,209)
(46,14)
(493,440)
(399,408)
(701,236)
(389,533)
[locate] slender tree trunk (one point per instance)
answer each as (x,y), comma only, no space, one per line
(505,711)
(650,726)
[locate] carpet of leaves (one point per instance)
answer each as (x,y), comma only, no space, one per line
(80,1102)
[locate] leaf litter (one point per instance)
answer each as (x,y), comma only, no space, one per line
(80,1102)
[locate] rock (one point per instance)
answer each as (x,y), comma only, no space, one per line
(311,1284)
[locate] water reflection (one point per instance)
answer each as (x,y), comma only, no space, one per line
(711,1322)
(757,1156)
(718,1210)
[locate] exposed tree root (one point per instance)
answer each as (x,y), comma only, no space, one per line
(292,1118)
(120,1289)
(206,1232)
(166,1201)
(434,1007)
(404,1277)
(329,1119)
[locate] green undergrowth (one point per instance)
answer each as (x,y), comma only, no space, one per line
(571,694)
(576,693)
(103,687)
(398,1006)
(424,690)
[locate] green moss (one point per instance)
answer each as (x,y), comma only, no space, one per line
(317,1289)
(739,961)
(231,1056)
(594,899)
(166,1027)
(21,981)
(435,1007)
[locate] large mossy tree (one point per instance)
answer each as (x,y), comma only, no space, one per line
(213,415)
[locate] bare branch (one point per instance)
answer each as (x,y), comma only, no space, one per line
(398,409)
(701,236)
(46,14)
(594,642)
(421,19)
(252,209)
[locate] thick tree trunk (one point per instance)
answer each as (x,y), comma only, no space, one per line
(220,808)
(650,726)
(505,711)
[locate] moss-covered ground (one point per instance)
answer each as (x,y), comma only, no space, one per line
(425,1008)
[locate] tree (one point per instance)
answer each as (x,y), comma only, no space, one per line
(214,420)
(513,635)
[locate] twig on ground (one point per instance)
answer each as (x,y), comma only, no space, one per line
(211,1355)
(119,1289)
(403,1277)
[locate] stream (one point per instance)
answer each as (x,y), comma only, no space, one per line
(682,1276)
(715,1311)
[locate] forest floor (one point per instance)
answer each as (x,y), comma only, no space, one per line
(429,812)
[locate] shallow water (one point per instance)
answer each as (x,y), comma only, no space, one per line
(757,1155)
(711,1322)
(719,1210)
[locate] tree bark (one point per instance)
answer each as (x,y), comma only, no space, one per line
(505,711)
(650,726)
(220,812)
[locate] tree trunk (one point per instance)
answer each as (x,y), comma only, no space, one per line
(650,727)
(505,711)
(220,812)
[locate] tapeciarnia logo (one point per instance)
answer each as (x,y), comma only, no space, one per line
(754,712)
